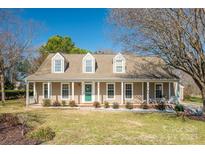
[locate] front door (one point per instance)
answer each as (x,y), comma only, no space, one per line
(88,92)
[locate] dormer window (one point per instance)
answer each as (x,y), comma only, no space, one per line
(58,63)
(119,64)
(88,63)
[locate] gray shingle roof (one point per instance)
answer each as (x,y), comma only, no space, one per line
(137,68)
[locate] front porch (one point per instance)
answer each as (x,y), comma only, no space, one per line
(85,93)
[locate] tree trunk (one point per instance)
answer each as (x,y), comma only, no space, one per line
(2,88)
(203,97)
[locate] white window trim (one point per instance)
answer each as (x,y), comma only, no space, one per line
(125,91)
(88,56)
(49,94)
(68,91)
(107,91)
(155,89)
(117,57)
(62,63)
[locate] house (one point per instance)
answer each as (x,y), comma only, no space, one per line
(86,78)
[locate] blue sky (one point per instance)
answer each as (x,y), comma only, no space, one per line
(88,28)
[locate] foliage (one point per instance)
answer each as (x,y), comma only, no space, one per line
(42,134)
(179,108)
(160,106)
(72,103)
(63,103)
(59,43)
(129,105)
(144,105)
(106,105)
(115,105)
(56,103)
(96,104)
(14,94)
(9,118)
(46,102)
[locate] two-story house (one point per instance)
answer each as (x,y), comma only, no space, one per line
(86,78)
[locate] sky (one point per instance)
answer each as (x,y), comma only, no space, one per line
(87,28)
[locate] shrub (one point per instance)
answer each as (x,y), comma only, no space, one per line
(46,102)
(64,103)
(56,103)
(96,104)
(179,108)
(129,105)
(160,106)
(144,106)
(72,103)
(115,105)
(9,118)
(106,105)
(42,134)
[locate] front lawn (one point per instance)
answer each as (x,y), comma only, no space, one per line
(193,100)
(100,127)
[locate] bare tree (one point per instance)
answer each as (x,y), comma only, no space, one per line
(15,38)
(176,35)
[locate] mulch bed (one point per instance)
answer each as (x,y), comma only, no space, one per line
(200,118)
(11,132)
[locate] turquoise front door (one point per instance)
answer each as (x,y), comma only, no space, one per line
(88,92)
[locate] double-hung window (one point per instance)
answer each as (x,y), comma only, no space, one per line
(46,90)
(128,91)
(110,90)
(158,90)
(88,66)
(65,90)
(119,66)
(58,66)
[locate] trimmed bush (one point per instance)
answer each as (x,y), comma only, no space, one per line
(115,105)
(42,134)
(179,108)
(64,103)
(46,102)
(96,104)
(129,105)
(144,106)
(106,105)
(160,106)
(56,103)
(72,103)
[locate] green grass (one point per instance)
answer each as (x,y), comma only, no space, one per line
(98,127)
(193,100)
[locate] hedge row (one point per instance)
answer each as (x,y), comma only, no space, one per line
(15,94)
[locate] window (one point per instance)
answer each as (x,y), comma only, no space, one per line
(128,90)
(158,90)
(88,65)
(46,91)
(58,65)
(65,91)
(110,90)
(119,64)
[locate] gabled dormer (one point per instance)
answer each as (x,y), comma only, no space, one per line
(88,63)
(119,63)
(58,63)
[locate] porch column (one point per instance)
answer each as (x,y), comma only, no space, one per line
(147,92)
(82,91)
(169,90)
(93,91)
(73,91)
(27,93)
(122,92)
(98,91)
(142,92)
(49,90)
(34,91)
